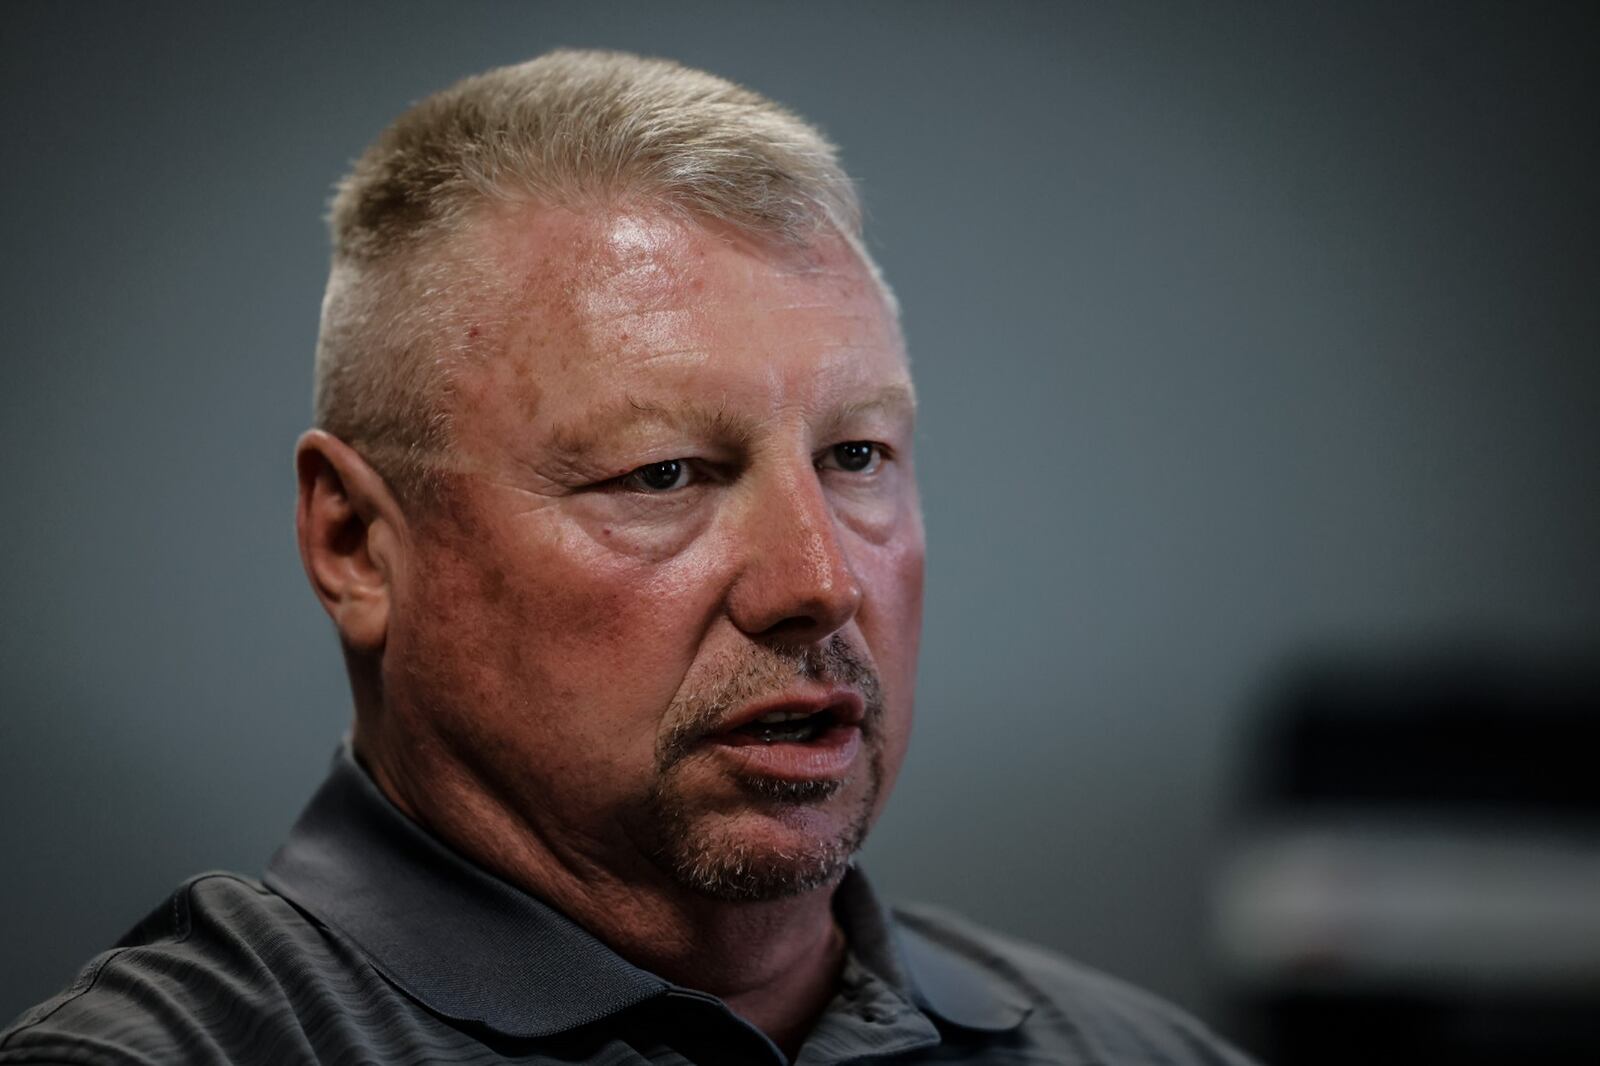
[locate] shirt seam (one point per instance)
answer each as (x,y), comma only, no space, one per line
(77,1054)
(181,905)
(963,944)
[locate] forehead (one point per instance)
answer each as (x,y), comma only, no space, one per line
(626,257)
(617,296)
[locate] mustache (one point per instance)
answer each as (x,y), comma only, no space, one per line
(760,672)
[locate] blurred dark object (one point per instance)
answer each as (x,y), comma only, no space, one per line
(1415,872)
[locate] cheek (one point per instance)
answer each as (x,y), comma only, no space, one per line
(537,626)
(891,623)
(891,574)
(899,622)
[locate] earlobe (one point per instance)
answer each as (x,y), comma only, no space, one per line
(346,520)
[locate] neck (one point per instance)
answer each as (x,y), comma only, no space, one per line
(775,963)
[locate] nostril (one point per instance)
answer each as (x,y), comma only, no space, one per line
(800,626)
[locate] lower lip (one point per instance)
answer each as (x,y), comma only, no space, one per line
(824,757)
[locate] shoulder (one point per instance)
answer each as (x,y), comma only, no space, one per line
(1094,1017)
(218,967)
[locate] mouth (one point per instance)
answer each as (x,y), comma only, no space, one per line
(784,727)
(796,740)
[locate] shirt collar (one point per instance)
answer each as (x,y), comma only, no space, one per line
(913,960)
(471,947)
(461,941)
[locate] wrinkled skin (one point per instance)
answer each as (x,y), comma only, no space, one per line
(543,629)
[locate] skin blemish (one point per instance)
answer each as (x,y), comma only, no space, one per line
(528,388)
(455,508)
(494,585)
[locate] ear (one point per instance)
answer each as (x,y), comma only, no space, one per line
(349,526)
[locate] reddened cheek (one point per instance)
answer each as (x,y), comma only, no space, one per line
(556,617)
(893,568)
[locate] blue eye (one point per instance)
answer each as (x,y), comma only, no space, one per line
(854,457)
(665,476)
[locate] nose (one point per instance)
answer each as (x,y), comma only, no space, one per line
(796,585)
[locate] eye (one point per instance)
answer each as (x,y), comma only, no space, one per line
(854,457)
(668,475)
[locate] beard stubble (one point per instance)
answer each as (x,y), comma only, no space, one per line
(703,850)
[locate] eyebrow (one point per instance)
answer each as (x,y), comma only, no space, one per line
(594,430)
(897,401)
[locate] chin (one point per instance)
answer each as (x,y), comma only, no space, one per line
(745,862)
(790,838)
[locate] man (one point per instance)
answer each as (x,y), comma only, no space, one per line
(612,503)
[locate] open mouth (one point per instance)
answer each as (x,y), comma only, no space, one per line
(802,739)
(786,727)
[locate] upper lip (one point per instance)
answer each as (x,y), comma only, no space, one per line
(844,702)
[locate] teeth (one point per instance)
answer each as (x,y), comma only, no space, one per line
(782,716)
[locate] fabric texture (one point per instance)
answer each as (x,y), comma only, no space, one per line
(369,941)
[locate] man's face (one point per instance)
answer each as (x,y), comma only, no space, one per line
(682,500)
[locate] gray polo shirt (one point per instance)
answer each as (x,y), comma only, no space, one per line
(369,941)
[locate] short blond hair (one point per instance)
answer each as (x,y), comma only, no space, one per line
(570,128)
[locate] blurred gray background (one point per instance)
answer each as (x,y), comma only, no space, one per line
(1240,331)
